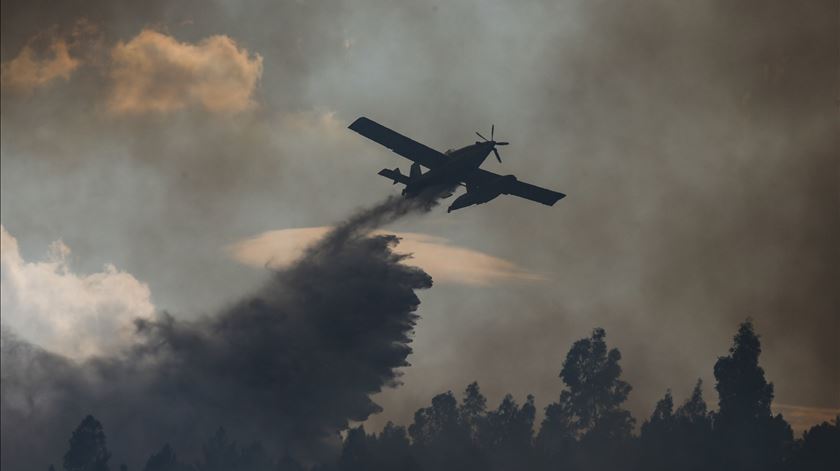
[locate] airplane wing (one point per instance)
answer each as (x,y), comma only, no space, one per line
(520,188)
(534,193)
(408,148)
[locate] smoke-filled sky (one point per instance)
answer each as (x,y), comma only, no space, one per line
(159,156)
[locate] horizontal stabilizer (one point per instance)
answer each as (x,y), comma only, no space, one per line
(395,175)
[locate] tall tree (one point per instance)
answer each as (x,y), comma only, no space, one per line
(594,392)
(590,407)
(743,392)
(88,450)
(473,409)
(749,436)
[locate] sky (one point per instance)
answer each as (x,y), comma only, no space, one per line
(164,156)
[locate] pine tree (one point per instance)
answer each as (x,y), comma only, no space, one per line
(744,394)
(748,436)
(88,451)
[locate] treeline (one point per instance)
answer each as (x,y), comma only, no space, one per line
(587,428)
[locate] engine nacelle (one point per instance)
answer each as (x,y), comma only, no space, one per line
(483,193)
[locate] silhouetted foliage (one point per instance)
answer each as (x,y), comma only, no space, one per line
(589,411)
(222,454)
(506,435)
(473,409)
(677,439)
(390,450)
(165,460)
(88,451)
(441,436)
(586,429)
(748,436)
(819,449)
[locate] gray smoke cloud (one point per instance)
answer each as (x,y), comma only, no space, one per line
(288,365)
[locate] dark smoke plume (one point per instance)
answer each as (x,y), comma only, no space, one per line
(290,365)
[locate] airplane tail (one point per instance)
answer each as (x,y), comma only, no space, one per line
(394,175)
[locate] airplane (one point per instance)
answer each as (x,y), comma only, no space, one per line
(451,168)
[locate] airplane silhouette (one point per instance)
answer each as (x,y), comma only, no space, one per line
(456,167)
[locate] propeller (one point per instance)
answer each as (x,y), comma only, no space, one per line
(500,143)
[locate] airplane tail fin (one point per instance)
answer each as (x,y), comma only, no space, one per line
(394,175)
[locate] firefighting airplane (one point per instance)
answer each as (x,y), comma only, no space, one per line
(456,167)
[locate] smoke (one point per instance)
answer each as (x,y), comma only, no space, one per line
(290,365)
(697,142)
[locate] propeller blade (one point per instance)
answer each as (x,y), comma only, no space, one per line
(492,130)
(497,155)
(479,135)
(503,143)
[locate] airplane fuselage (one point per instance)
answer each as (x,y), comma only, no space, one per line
(461,163)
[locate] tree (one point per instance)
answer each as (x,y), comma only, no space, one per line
(694,409)
(393,449)
(744,395)
(390,450)
(590,407)
(594,392)
(88,450)
(506,436)
(819,449)
(655,441)
(219,453)
(748,435)
(356,454)
(692,435)
(557,438)
(473,409)
(165,460)
(661,423)
(441,438)
(677,439)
